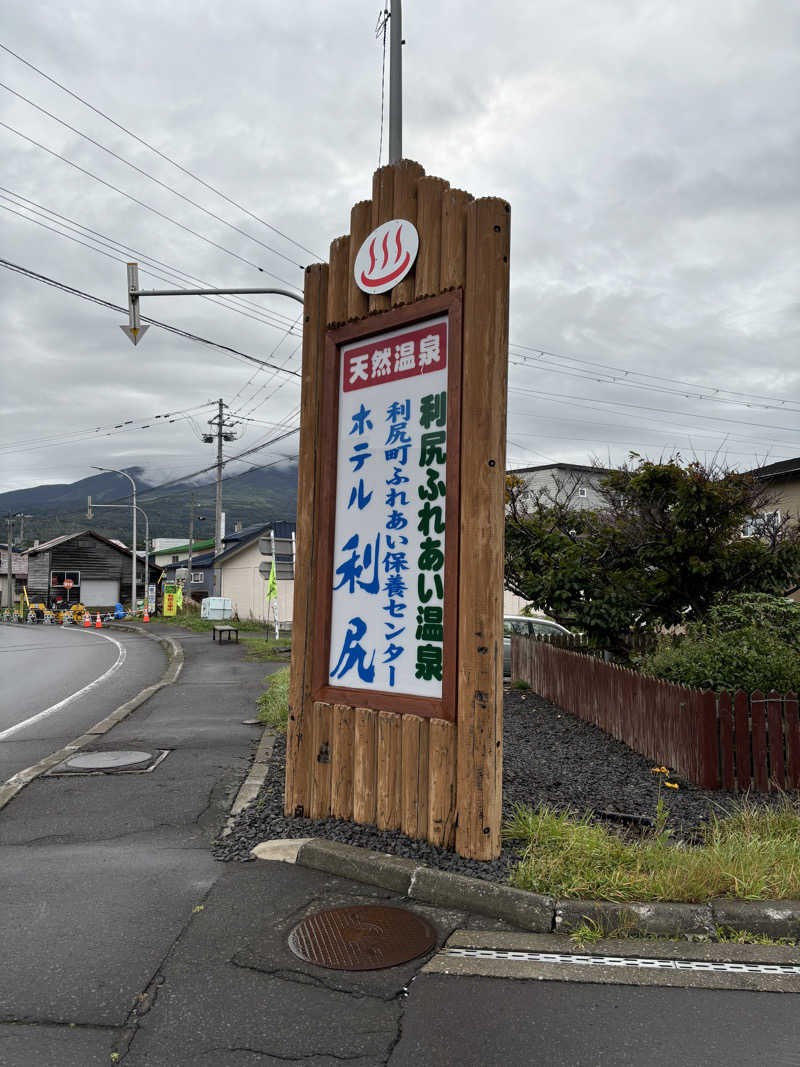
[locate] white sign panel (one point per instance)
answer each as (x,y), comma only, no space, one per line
(387,606)
(386,256)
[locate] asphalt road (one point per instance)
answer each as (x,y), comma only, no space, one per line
(57,682)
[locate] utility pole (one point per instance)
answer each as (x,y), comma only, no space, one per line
(10,563)
(223,431)
(396,84)
(191,538)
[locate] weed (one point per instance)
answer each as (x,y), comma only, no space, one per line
(753,854)
(587,933)
(520,683)
(273,704)
(747,937)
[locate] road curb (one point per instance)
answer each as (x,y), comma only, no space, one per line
(249,789)
(531,911)
(18,781)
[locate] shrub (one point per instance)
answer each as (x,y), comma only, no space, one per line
(742,659)
(273,704)
(749,641)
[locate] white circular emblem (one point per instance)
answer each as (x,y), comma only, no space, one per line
(386,257)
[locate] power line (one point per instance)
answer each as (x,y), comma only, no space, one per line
(714,393)
(160,154)
(35,276)
(144,257)
(148,207)
(151,177)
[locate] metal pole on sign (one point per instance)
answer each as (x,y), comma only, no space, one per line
(275,598)
(396,84)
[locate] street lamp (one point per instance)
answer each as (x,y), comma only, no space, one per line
(139,508)
(113,470)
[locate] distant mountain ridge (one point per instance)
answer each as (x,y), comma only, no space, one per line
(256,496)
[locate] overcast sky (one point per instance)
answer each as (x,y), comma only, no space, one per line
(650,153)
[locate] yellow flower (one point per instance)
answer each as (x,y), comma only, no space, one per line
(659,770)
(671,785)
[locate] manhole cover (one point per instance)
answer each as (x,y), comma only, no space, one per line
(120,761)
(363,938)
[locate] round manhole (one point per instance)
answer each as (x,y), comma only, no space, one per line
(362,938)
(108,761)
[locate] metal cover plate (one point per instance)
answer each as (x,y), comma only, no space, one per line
(361,938)
(120,761)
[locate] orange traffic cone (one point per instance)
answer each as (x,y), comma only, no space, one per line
(98,625)
(145,617)
(87,620)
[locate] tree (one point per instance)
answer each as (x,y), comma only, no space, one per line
(667,541)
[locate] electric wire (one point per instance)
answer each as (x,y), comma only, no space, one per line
(44,279)
(151,177)
(148,207)
(113,243)
(159,153)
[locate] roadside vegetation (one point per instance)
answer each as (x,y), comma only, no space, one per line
(273,704)
(192,621)
(753,854)
(748,641)
(268,650)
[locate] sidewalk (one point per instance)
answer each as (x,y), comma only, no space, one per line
(124,940)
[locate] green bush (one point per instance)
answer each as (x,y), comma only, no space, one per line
(273,704)
(750,641)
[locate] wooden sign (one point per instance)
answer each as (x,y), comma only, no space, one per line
(397,652)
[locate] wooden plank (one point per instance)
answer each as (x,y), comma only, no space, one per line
(342,743)
(365,766)
(390,750)
(299,752)
(338,285)
(777,762)
(707,742)
(442,748)
(481,530)
(454,239)
(791,714)
(758,718)
(414,814)
(430,191)
(406,175)
(360,226)
(725,718)
(741,719)
(382,211)
(321,765)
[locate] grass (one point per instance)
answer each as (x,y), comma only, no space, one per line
(268,650)
(753,854)
(273,704)
(193,622)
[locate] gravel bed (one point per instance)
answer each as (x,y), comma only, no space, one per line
(550,757)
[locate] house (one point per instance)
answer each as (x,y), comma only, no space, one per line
(99,570)
(19,574)
(783,480)
(200,582)
(168,550)
(572,482)
(240,576)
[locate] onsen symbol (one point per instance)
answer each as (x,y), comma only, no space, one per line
(386,256)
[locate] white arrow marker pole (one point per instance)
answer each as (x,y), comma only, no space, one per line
(134,329)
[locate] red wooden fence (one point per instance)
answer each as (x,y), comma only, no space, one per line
(716,740)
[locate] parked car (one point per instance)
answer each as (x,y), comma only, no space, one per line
(523,624)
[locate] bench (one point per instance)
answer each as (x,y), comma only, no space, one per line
(229,630)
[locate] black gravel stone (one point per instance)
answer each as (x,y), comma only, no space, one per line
(549,757)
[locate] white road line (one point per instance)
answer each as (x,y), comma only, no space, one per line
(67,700)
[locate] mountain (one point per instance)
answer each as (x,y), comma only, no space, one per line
(256,496)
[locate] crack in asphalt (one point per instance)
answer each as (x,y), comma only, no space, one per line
(54,1024)
(285,1059)
(287,974)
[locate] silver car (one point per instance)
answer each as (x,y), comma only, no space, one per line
(523,624)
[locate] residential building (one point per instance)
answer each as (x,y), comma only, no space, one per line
(240,576)
(570,481)
(99,569)
(19,575)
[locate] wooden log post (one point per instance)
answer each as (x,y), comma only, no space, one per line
(321,761)
(360,226)
(382,211)
(338,287)
(365,769)
(406,176)
(389,763)
(480,597)
(442,783)
(299,740)
(342,762)
(414,815)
